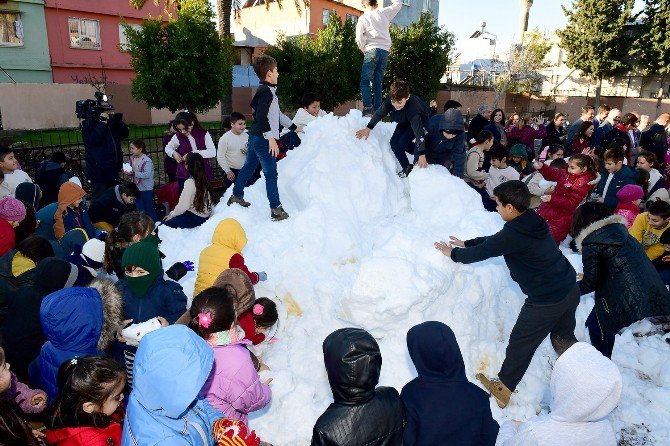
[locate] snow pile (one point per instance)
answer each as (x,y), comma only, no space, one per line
(358,251)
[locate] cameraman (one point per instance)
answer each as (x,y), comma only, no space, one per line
(102,144)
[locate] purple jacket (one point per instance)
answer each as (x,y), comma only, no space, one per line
(233,386)
(22,395)
(185,147)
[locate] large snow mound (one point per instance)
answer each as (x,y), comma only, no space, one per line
(358,250)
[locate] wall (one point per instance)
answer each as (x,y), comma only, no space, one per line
(260,26)
(71,63)
(316,13)
(29,62)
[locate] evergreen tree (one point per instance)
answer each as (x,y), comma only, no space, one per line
(654,44)
(595,38)
(419,55)
(184,64)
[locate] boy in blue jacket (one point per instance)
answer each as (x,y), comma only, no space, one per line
(543,274)
(617,176)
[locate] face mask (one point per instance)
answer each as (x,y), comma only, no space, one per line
(140,285)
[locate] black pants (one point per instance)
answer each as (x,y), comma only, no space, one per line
(401,144)
(489,204)
(534,323)
(601,340)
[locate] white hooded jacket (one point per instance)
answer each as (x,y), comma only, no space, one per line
(585,388)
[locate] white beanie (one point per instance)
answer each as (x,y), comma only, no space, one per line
(94,249)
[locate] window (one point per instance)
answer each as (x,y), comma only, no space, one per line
(351,18)
(11,29)
(325,18)
(84,33)
(405,2)
(123,39)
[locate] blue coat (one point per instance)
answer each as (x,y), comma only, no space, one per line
(441,405)
(164,298)
(440,147)
(625,175)
(78,218)
(72,320)
(102,143)
(171,366)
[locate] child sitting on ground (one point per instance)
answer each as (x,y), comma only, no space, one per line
(88,410)
(233,386)
(616,176)
(630,196)
(518,159)
(648,227)
(499,172)
(196,200)
(70,215)
(108,207)
(11,389)
(12,212)
(258,319)
(573,186)
(143,177)
(13,176)
(529,251)
(228,241)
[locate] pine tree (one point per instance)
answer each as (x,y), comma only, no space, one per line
(654,44)
(595,38)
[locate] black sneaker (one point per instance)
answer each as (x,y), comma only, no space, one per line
(405,172)
(367,112)
(240,201)
(278,213)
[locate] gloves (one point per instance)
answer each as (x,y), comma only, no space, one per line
(189,265)
(179,270)
(262,276)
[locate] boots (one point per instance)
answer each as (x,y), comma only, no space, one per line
(240,201)
(405,172)
(496,388)
(278,213)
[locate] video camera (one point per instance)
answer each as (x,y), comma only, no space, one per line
(91,109)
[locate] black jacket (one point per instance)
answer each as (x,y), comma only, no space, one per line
(361,415)
(109,207)
(655,140)
(441,148)
(554,135)
(441,405)
(476,125)
(102,144)
(414,114)
(626,284)
(49,177)
(531,254)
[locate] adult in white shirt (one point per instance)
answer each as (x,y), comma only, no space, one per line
(12,175)
(374,40)
(190,137)
(232,151)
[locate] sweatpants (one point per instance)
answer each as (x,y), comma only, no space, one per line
(601,340)
(532,326)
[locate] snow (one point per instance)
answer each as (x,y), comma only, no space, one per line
(358,250)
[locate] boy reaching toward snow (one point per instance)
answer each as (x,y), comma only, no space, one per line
(542,272)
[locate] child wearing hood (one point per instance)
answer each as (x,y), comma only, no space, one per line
(70,214)
(518,159)
(171,366)
(585,388)
(233,386)
(228,241)
(146,293)
(441,405)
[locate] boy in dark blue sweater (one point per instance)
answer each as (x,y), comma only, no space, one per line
(542,272)
(618,175)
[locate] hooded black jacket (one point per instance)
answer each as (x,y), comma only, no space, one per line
(442,407)
(361,415)
(626,284)
(531,254)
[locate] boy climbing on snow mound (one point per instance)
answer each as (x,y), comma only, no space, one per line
(542,272)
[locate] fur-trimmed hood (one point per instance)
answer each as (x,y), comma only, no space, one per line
(112,310)
(590,229)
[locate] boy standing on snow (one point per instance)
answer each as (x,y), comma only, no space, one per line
(542,272)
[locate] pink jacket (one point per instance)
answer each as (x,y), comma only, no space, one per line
(233,386)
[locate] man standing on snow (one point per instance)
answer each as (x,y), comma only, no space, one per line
(374,40)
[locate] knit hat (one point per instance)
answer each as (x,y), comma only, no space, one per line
(630,193)
(145,255)
(12,209)
(453,121)
(519,150)
(53,274)
(29,193)
(94,252)
(229,432)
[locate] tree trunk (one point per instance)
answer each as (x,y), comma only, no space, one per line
(659,99)
(224,8)
(597,99)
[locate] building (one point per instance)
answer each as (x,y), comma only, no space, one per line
(412,10)
(86,39)
(24,51)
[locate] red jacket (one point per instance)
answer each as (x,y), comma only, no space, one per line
(570,192)
(86,436)
(6,237)
(246,321)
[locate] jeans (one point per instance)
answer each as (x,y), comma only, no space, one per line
(374,64)
(187,220)
(257,174)
(258,152)
(145,203)
(401,143)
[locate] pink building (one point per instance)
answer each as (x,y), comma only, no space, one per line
(87,36)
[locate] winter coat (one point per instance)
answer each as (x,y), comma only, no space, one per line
(228,241)
(528,135)
(439,147)
(414,114)
(360,415)
(476,125)
(108,207)
(531,254)
(248,325)
(655,140)
(164,298)
(16,271)
(627,210)
(49,177)
(68,217)
(441,405)
(86,435)
(599,133)
(102,143)
(626,284)
(474,160)
(625,175)
(76,322)
(172,358)
(618,131)
(554,135)
(498,132)
(657,190)
(22,395)
(233,385)
(7,237)
(578,145)
(585,387)
(570,191)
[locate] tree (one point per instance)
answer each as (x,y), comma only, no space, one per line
(329,65)
(419,55)
(653,46)
(595,38)
(184,64)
